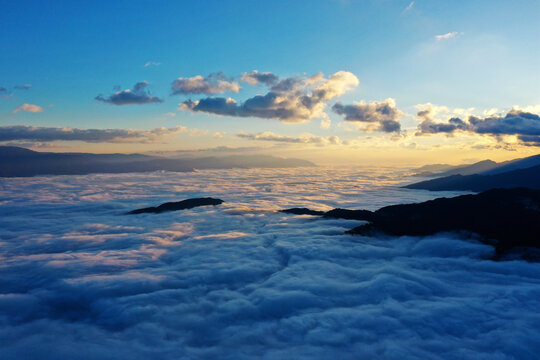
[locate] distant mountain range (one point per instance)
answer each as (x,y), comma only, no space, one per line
(21,162)
(484,175)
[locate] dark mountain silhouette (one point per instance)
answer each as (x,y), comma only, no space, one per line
(485,167)
(509,216)
(179,205)
(529,177)
(481,166)
(17,162)
(516,164)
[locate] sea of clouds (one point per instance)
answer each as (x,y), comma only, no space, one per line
(79,279)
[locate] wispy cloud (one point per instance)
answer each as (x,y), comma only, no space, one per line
(302,139)
(139,95)
(44,134)
(29,108)
(22,87)
(408,8)
(152,63)
(450,35)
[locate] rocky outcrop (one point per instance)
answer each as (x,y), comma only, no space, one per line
(511,217)
(179,205)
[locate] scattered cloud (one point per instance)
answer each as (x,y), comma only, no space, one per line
(379,116)
(197,132)
(524,125)
(22,87)
(171,114)
(29,108)
(302,139)
(255,77)
(293,100)
(215,83)
(408,8)
(450,35)
(219,134)
(152,63)
(45,134)
(139,95)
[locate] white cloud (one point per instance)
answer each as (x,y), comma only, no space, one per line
(29,108)
(450,35)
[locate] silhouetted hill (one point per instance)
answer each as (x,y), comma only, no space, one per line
(516,164)
(178,205)
(529,178)
(509,216)
(481,166)
(20,162)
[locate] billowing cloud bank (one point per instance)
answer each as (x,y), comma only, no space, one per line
(139,95)
(294,99)
(379,116)
(524,125)
(35,133)
(81,280)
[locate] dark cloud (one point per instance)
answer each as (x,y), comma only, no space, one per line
(383,115)
(22,87)
(255,77)
(525,125)
(137,96)
(215,83)
(3,90)
(44,134)
(295,99)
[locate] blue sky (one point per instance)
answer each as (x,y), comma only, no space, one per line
(70,52)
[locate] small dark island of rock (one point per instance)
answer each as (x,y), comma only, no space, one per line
(178,205)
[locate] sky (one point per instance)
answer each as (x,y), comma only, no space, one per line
(331,81)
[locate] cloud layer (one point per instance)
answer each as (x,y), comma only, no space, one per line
(524,125)
(215,83)
(294,99)
(240,281)
(379,116)
(34,133)
(139,95)
(302,139)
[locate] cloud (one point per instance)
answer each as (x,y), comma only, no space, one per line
(29,108)
(22,87)
(255,77)
(139,95)
(240,281)
(302,139)
(44,134)
(215,83)
(3,90)
(379,116)
(408,8)
(524,125)
(219,135)
(295,99)
(152,63)
(450,35)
